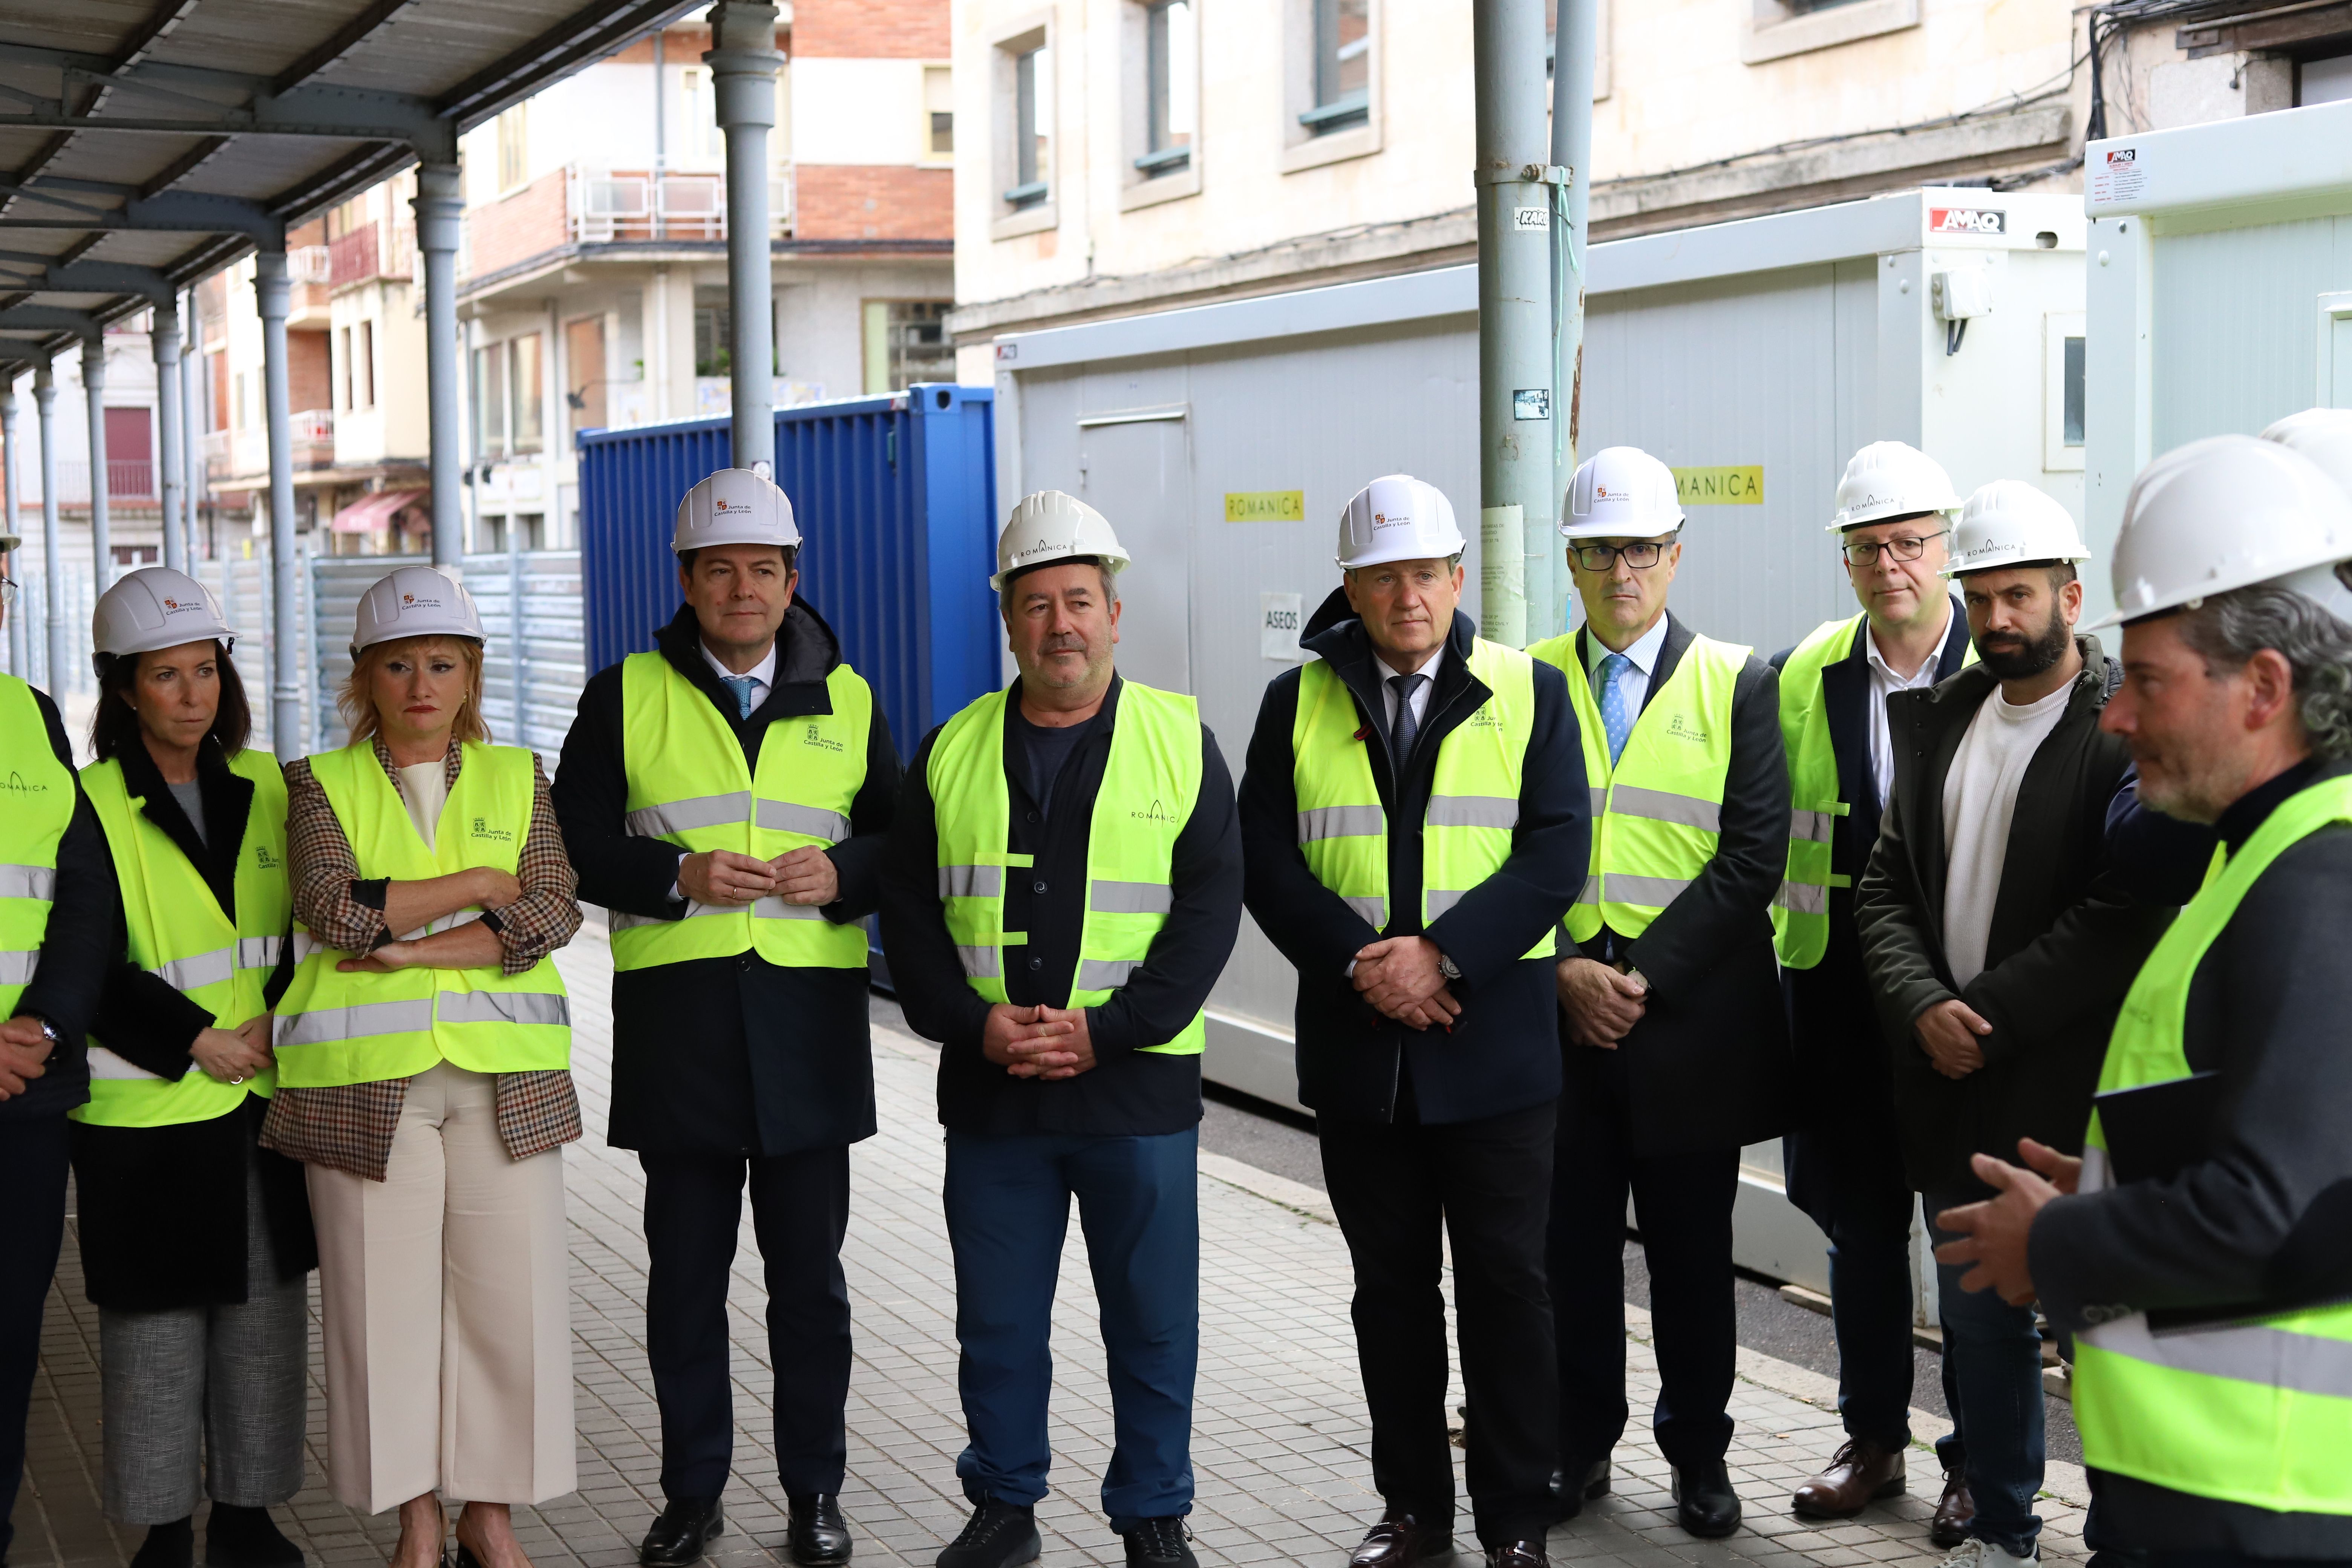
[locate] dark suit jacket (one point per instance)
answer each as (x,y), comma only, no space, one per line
(1707,1067)
(75,949)
(1501,1054)
(2065,941)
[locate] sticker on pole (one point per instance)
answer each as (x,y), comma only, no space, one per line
(1266,506)
(1280,616)
(1531,403)
(1966,220)
(2118,176)
(1531,220)
(1721,487)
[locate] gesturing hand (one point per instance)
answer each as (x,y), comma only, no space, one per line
(1948,1032)
(1602,1006)
(806,876)
(1995,1234)
(723,876)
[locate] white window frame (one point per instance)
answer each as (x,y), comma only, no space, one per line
(1136,188)
(1301,148)
(2334,316)
(926,157)
(2057,326)
(1006,45)
(1773,30)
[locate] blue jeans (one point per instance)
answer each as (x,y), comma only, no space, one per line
(1992,1384)
(1851,1184)
(1008,1208)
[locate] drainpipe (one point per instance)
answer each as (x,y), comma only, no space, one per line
(272,296)
(165,335)
(192,421)
(743,85)
(439,202)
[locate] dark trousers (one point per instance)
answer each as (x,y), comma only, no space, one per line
(800,1209)
(1848,1177)
(33,1162)
(1682,1203)
(1008,1209)
(1992,1386)
(1486,1182)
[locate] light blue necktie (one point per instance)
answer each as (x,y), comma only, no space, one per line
(740,685)
(1613,717)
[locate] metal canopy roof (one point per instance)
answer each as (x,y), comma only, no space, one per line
(145,144)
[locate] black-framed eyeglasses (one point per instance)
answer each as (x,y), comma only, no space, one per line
(1640,556)
(1903,547)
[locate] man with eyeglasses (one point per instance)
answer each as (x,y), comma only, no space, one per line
(1675,1044)
(1845,1162)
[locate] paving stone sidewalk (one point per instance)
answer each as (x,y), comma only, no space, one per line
(1280,1440)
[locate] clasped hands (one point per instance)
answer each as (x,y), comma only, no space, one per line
(1038,1042)
(1603,1004)
(235,1056)
(802,875)
(1399,975)
(22,1048)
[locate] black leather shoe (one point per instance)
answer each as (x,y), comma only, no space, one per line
(1570,1497)
(1001,1535)
(1517,1554)
(172,1545)
(678,1538)
(247,1538)
(1401,1540)
(1161,1543)
(820,1536)
(1703,1501)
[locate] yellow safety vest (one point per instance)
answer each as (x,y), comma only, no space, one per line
(2254,1411)
(179,932)
(1474,796)
(1801,911)
(339,1028)
(1149,786)
(1657,811)
(676,747)
(37,803)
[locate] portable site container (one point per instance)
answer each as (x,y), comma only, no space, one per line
(2220,285)
(893,497)
(1755,356)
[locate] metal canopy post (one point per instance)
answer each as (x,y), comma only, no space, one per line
(1571,149)
(271,296)
(191,407)
(742,62)
(440,200)
(19,651)
(1515,393)
(102,533)
(164,334)
(53,585)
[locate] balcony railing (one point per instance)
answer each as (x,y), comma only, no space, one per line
(239,454)
(354,258)
(133,479)
(309,263)
(607,205)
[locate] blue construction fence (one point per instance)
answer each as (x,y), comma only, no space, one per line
(895,497)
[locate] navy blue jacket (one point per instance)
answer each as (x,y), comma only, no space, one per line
(1502,1053)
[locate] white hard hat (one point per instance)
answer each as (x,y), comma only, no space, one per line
(1621,492)
(1397,518)
(2229,511)
(155,607)
(1047,526)
(1887,480)
(2323,435)
(415,602)
(2010,523)
(734,506)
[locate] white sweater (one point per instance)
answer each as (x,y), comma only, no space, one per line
(1980,798)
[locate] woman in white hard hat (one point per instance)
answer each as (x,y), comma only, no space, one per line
(194,1240)
(423,1051)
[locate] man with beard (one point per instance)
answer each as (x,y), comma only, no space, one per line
(2000,945)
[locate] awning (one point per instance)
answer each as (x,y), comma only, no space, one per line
(372,511)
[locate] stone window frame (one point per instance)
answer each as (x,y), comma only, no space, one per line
(1773,29)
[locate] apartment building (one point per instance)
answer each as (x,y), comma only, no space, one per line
(127,406)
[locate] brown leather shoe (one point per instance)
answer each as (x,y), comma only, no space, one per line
(1953,1512)
(1401,1540)
(1517,1554)
(1859,1473)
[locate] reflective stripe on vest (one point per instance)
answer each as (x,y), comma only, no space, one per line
(2256,1413)
(1149,786)
(675,746)
(337,1028)
(1658,810)
(1473,800)
(36,803)
(178,932)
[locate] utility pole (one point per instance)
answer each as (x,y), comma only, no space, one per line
(1574,47)
(1518,499)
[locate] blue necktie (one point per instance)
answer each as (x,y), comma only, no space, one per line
(1618,723)
(740,685)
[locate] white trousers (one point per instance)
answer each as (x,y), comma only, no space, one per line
(445,1302)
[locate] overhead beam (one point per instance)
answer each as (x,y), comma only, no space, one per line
(354,34)
(570,44)
(109,277)
(50,319)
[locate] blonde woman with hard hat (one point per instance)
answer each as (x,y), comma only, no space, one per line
(423,1051)
(1414,817)
(194,1239)
(2195,1250)
(725,794)
(1998,944)
(1674,1040)
(1063,888)
(1895,508)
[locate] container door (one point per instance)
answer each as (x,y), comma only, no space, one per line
(1139,476)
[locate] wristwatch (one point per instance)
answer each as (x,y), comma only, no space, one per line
(1448,968)
(50,1032)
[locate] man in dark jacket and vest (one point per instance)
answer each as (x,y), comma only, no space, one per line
(1063,884)
(725,796)
(2196,1250)
(1998,946)
(1414,812)
(59,903)
(1842,1159)
(1675,1046)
